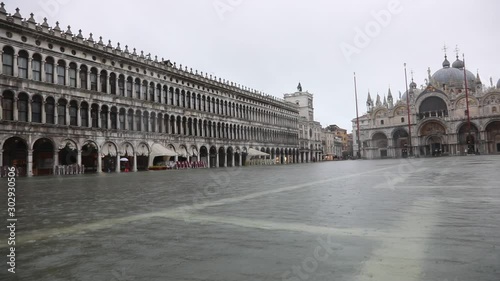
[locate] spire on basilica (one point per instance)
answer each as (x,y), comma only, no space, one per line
(378,103)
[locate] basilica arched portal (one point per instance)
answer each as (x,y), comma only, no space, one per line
(433,139)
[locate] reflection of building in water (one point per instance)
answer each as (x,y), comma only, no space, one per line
(438,116)
(68,101)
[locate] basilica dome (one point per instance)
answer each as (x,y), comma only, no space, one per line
(452,76)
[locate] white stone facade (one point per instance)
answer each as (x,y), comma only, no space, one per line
(439,124)
(70,100)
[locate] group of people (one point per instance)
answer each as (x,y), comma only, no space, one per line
(186,164)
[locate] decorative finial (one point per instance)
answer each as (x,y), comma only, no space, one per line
(118,46)
(445,49)
(32,19)
(134,52)
(80,35)
(142,54)
(68,32)
(2,9)
(100,41)
(457,50)
(109,44)
(299,87)
(17,14)
(45,23)
(126,49)
(57,28)
(90,38)
(156,58)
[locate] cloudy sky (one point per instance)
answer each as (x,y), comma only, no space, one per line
(272,45)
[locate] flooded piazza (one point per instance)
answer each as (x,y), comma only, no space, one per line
(415,219)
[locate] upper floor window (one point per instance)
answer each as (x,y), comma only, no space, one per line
(61,72)
(36,67)
(93,79)
(49,70)
(8,61)
(381,122)
(22,64)
(72,74)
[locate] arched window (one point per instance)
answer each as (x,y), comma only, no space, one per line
(104,81)
(114,118)
(36,109)
(152,91)
(22,107)
(94,115)
(8,105)
(8,61)
(49,70)
(145,89)
(402,119)
(137,88)
(83,77)
(104,117)
(72,74)
(158,93)
(183,98)
(61,72)
(22,64)
(73,111)
(130,119)
(381,122)
(145,121)
(36,67)
(61,112)
(129,86)
(121,85)
(121,118)
(138,120)
(177,98)
(112,83)
(49,110)
(84,114)
(93,79)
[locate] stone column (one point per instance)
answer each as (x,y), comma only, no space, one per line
(56,160)
(240,159)
(67,120)
(118,162)
(14,106)
(99,163)
(15,66)
(78,116)
(1,157)
(56,105)
(134,169)
(232,160)
(217,160)
(44,119)
(29,110)
(29,163)
(79,156)
(208,160)
(66,76)
(98,82)
(42,71)
(30,71)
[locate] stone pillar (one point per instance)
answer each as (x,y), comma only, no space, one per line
(134,169)
(78,116)
(118,162)
(42,71)
(232,160)
(30,71)
(15,66)
(99,163)
(98,82)
(66,76)
(1,157)
(29,110)
(208,160)
(217,160)
(44,119)
(108,119)
(79,156)
(56,105)
(14,106)
(67,121)
(240,159)
(29,163)
(56,160)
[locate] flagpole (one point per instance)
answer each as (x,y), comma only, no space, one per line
(357,116)
(466,102)
(410,149)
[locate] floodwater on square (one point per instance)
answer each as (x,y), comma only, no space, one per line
(395,219)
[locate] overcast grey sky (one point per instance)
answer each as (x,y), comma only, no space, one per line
(272,45)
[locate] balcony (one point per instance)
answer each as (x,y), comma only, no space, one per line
(429,114)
